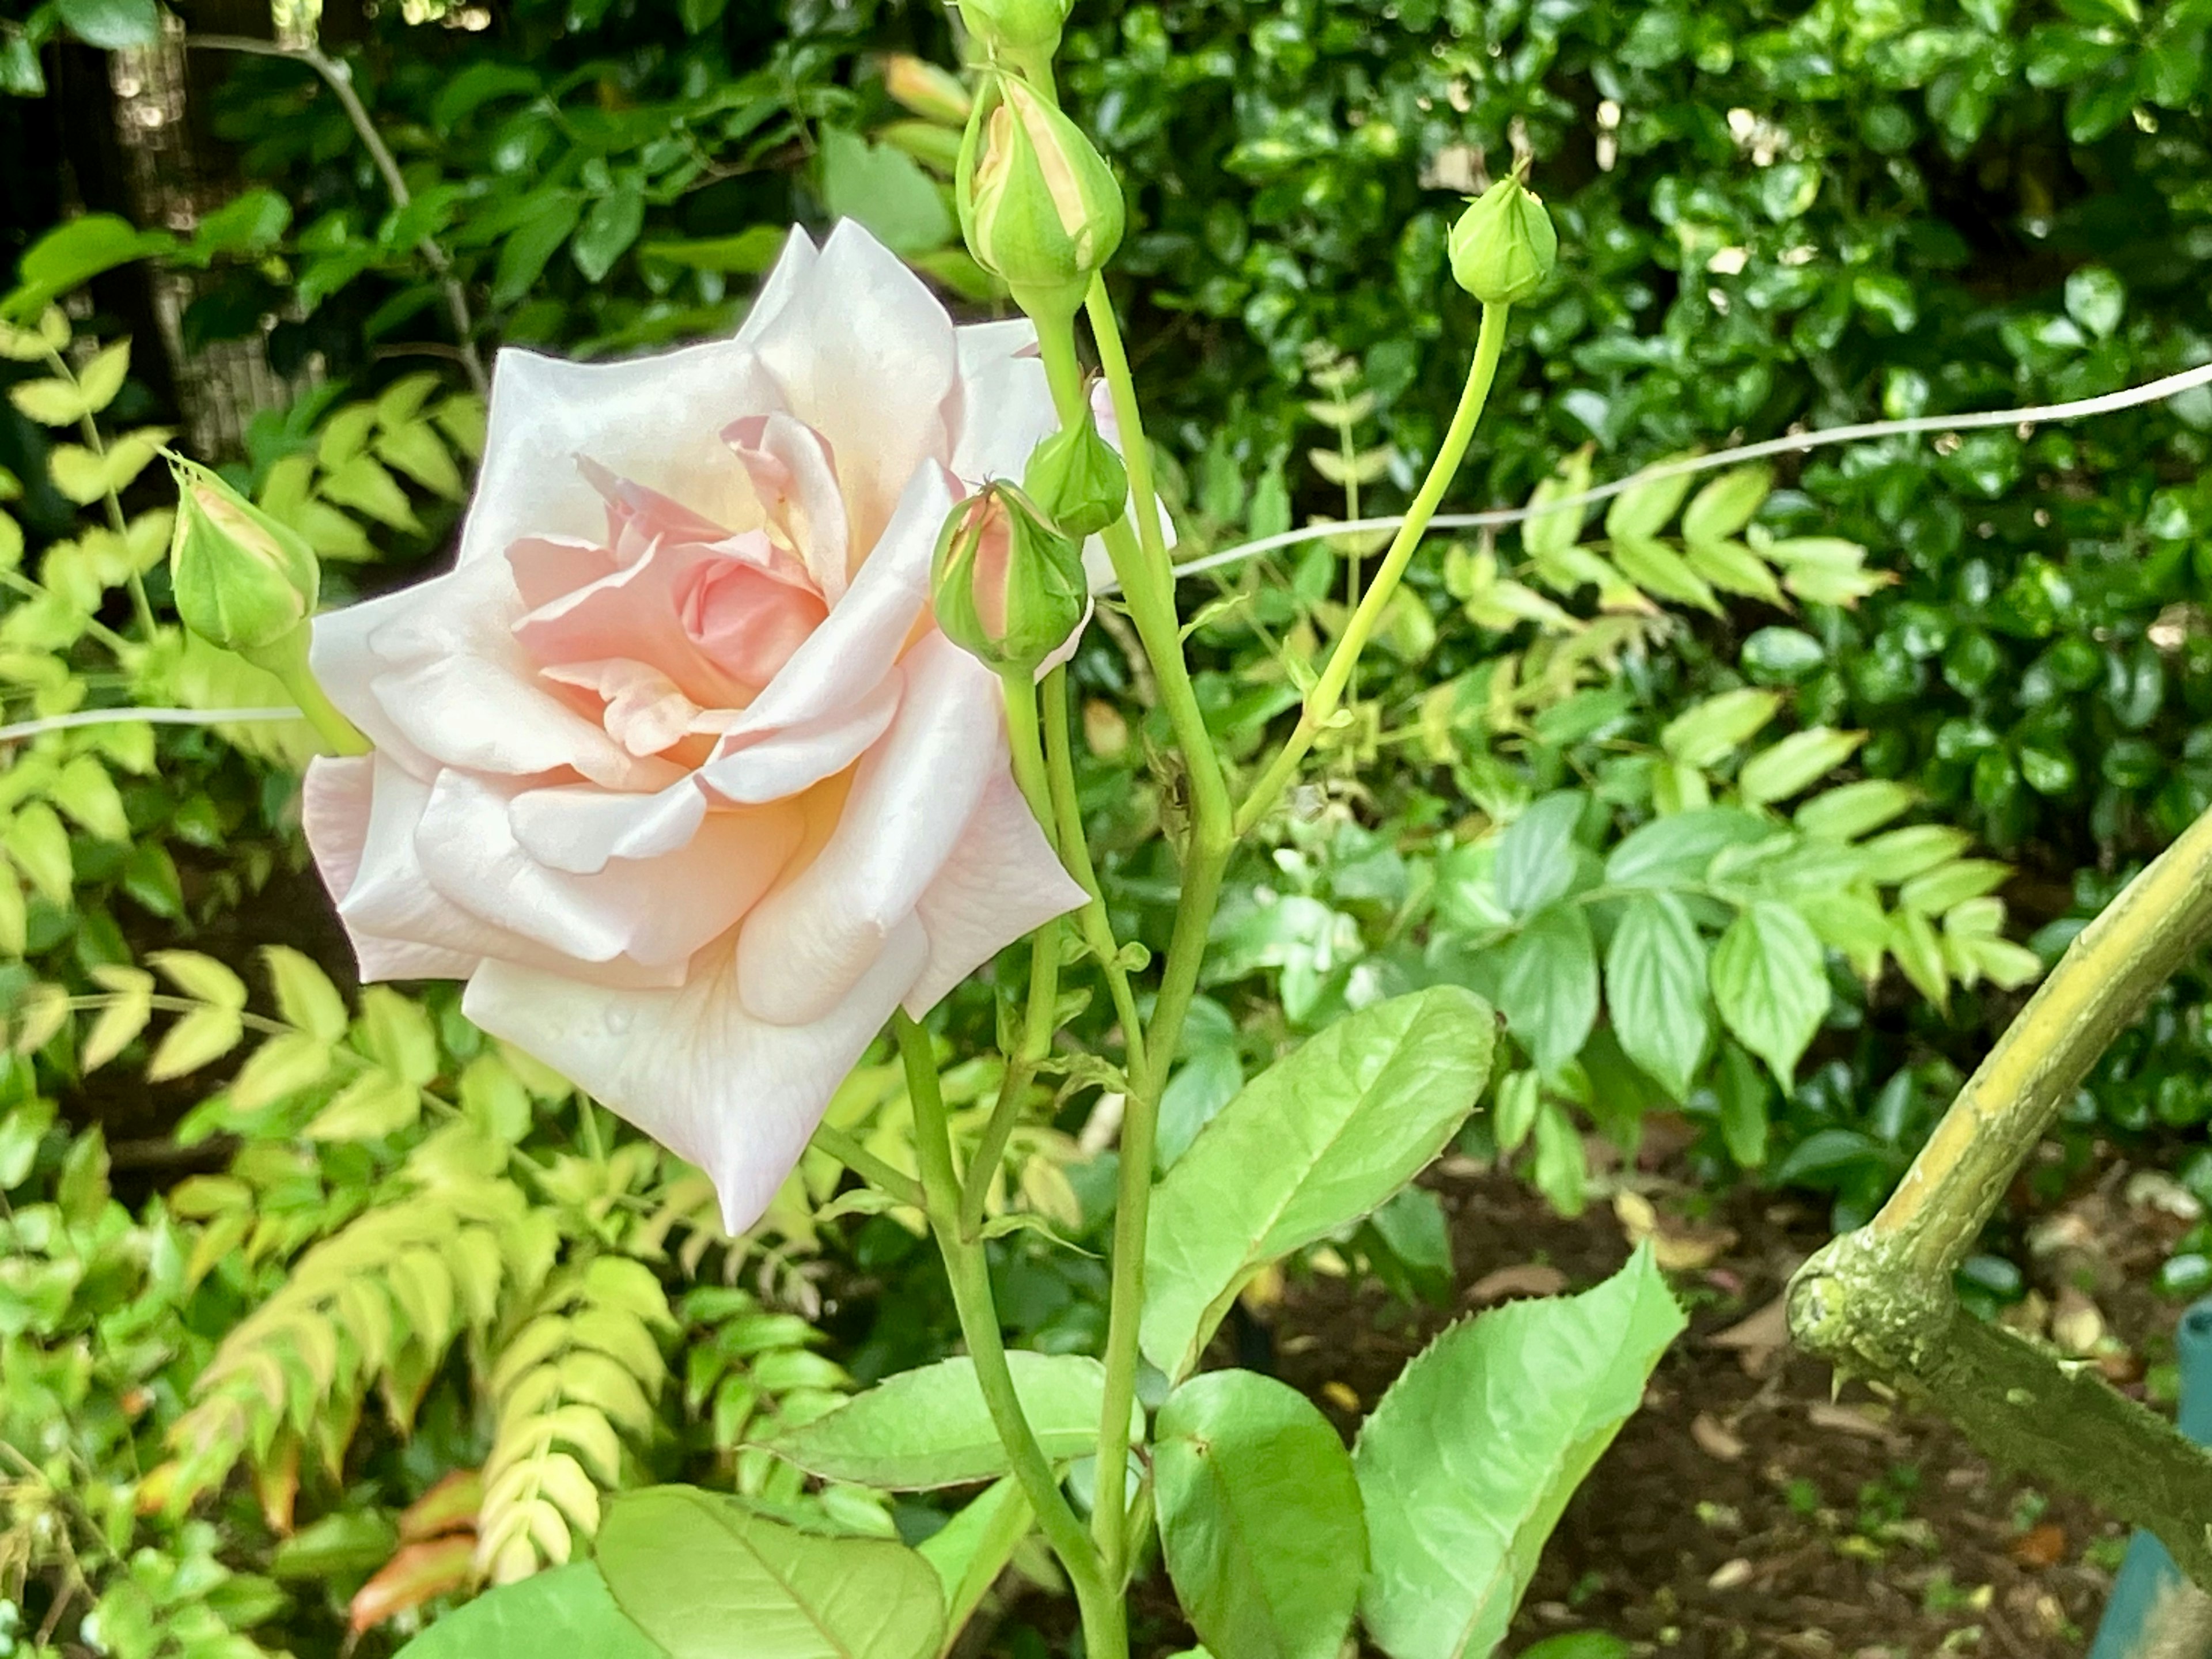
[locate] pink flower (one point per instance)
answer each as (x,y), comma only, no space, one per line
(674,767)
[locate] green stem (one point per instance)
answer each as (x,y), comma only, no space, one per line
(1038,1025)
(1322,702)
(869,1168)
(1023,740)
(1141,561)
(288,660)
(969,1273)
(1075,852)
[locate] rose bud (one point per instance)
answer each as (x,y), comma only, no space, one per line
(1038,203)
(1020,26)
(1078,479)
(1503,246)
(1007,585)
(242,579)
(933,94)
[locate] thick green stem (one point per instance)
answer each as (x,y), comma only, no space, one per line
(1075,853)
(288,660)
(1327,692)
(1879,1302)
(969,1273)
(2106,979)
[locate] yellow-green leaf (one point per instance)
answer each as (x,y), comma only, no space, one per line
(201,1036)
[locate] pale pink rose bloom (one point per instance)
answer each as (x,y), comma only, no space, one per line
(674,767)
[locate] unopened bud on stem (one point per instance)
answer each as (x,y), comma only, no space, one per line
(1078,479)
(1038,204)
(243,580)
(1007,585)
(1025,27)
(1503,246)
(932,93)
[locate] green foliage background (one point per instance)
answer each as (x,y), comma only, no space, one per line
(1772,215)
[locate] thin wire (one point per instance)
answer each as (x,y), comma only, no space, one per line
(156,716)
(1797,443)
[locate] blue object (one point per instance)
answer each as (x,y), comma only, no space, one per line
(2147,1572)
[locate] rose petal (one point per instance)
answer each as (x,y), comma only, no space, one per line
(810,942)
(401,927)
(578,827)
(843,661)
(864,354)
(635,613)
(1002,881)
(736,1095)
(1006,411)
(794,477)
(783,763)
(655,911)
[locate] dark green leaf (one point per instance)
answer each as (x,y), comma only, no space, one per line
(608,230)
(523,255)
(112,25)
(1260,1517)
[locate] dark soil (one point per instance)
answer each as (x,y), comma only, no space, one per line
(1746,1510)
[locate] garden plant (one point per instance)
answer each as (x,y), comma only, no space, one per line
(814,755)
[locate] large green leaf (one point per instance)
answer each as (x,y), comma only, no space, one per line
(707,1578)
(972,1550)
(566,1610)
(1655,989)
(1547,985)
(1260,1517)
(885,189)
(1467,1460)
(1536,853)
(112,25)
(1318,1139)
(929,1427)
(1771,984)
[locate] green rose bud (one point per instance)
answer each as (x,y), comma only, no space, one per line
(1038,203)
(1503,246)
(1077,480)
(242,581)
(932,93)
(1007,586)
(1020,26)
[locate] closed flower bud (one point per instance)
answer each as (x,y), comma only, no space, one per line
(932,93)
(1038,203)
(1077,479)
(242,579)
(1020,26)
(1503,246)
(1007,586)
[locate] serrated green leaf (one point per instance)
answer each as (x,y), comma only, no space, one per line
(691,1568)
(1771,984)
(1734,568)
(363,485)
(1318,1139)
(1854,809)
(1468,1460)
(199,1038)
(927,1428)
(1536,861)
(1642,509)
(1797,763)
(1654,990)
(102,378)
(1548,532)
(1518,1098)
(972,1549)
(1259,1516)
(40,848)
(1723,507)
(374,1104)
(50,402)
(395,1031)
(886,190)
(88,794)
(281,1067)
(416,450)
(201,976)
(1935,892)
(1712,730)
(305,996)
(1658,569)
(563,1610)
(118,1026)
(1547,987)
